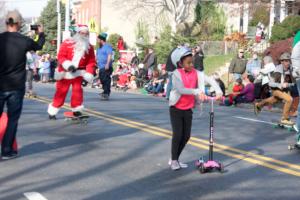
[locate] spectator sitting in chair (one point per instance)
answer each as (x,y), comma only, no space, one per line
(116,74)
(156,84)
(141,76)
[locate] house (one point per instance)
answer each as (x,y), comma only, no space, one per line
(115,17)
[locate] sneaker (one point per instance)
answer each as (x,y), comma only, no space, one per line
(257,109)
(287,122)
(295,127)
(10,155)
(105,97)
(175,165)
(182,165)
(52,117)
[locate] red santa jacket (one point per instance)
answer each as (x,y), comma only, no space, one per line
(84,62)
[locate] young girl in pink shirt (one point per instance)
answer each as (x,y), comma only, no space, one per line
(188,85)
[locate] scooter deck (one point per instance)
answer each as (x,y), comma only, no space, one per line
(209,166)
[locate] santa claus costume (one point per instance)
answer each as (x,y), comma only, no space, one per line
(76,59)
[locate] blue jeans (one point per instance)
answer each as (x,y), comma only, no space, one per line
(236,76)
(14,103)
(155,89)
(105,78)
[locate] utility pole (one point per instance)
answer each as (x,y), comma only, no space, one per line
(272,16)
(100,14)
(67,17)
(58,24)
(66,32)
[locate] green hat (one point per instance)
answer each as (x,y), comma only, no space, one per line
(296,38)
(102,36)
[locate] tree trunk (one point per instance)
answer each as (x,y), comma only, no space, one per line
(174,26)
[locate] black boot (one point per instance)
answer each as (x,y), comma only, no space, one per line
(77,114)
(52,117)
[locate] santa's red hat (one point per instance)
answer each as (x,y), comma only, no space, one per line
(82,27)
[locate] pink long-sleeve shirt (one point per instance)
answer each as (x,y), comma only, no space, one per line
(189,80)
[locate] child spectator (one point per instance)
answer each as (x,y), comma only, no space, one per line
(132,84)
(238,87)
(44,69)
(247,93)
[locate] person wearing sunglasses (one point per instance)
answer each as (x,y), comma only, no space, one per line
(238,65)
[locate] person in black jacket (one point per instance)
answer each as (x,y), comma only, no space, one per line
(13,49)
(135,61)
(198,58)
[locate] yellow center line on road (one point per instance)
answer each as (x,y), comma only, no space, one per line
(197,142)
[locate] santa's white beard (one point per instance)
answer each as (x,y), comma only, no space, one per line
(82,44)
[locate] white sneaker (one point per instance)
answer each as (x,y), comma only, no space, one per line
(295,128)
(175,165)
(182,165)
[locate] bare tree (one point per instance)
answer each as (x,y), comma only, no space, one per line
(178,9)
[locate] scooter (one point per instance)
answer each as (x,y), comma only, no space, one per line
(211,164)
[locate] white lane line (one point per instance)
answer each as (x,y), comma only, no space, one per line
(34,196)
(254,120)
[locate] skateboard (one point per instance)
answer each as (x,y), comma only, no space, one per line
(293,146)
(277,124)
(82,119)
(3,126)
(30,96)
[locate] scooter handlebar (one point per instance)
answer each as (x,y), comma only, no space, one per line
(209,98)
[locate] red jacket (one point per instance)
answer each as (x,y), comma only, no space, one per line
(121,45)
(84,62)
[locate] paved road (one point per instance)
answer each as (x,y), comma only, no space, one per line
(123,152)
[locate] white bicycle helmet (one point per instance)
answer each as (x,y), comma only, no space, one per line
(179,53)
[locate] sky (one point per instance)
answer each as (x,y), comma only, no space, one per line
(28,8)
